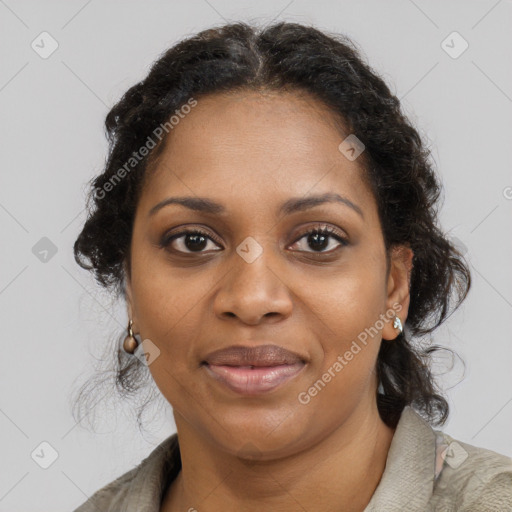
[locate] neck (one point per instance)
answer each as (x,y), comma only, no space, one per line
(340,472)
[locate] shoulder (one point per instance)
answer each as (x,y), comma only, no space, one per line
(472,478)
(110,495)
(141,487)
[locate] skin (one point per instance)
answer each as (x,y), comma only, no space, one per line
(251,151)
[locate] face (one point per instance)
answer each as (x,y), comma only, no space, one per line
(257,274)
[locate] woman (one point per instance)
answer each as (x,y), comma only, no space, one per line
(269,216)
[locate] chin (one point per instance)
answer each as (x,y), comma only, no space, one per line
(252,437)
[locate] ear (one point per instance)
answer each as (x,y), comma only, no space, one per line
(398,288)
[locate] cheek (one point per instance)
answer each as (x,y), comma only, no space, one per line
(350,338)
(167,315)
(344,314)
(165,298)
(345,303)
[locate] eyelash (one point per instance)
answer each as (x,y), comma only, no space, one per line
(324,230)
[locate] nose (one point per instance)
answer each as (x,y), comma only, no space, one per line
(254,291)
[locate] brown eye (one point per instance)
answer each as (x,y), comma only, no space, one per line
(188,241)
(320,239)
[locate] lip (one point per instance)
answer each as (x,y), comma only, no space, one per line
(259,355)
(253,370)
(255,380)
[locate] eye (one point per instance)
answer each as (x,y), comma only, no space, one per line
(188,241)
(318,238)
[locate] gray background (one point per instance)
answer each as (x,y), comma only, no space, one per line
(54,317)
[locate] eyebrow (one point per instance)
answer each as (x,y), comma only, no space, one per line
(295,204)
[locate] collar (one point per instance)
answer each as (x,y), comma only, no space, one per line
(150,479)
(406,484)
(408,479)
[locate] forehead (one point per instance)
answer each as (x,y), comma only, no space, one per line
(258,147)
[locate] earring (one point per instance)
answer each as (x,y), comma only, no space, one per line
(130,343)
(397,324)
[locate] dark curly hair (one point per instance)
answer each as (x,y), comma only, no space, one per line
(395,164)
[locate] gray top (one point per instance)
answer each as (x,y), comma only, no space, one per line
(426,471)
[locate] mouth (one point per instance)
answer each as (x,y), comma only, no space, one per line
(253,370)
(253,380)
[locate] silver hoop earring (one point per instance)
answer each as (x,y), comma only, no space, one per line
(397,324)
